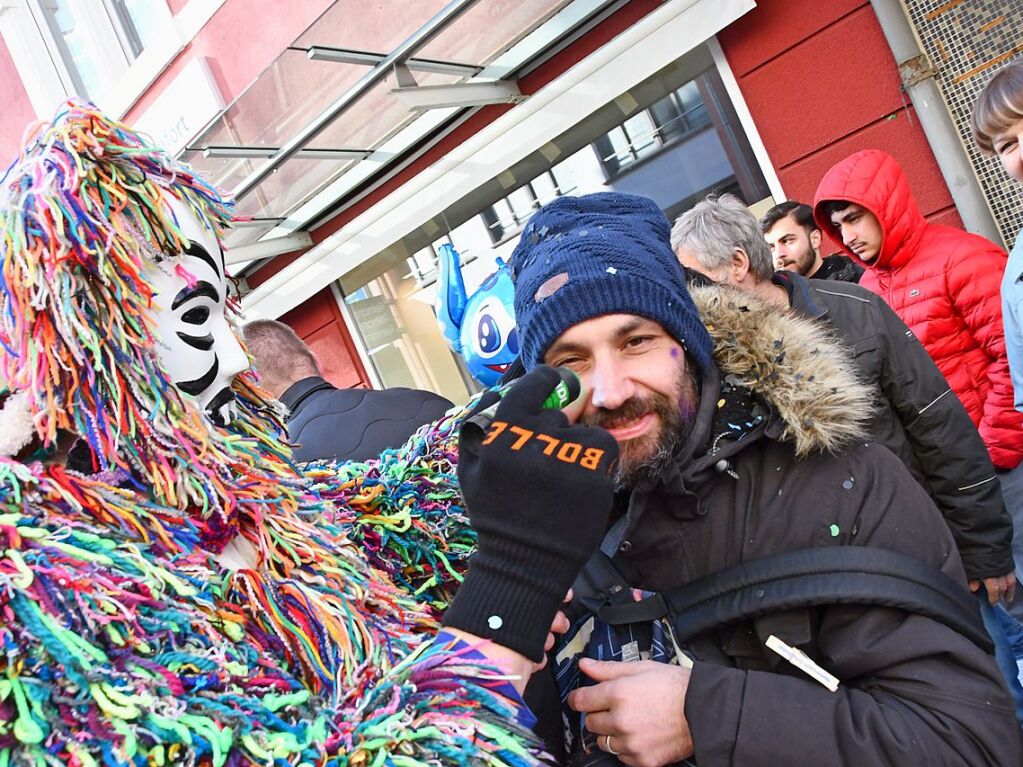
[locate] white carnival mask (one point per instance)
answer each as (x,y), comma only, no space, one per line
(196,344)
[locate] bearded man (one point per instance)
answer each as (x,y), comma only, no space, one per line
(169,590)
(733,451)
(795,241)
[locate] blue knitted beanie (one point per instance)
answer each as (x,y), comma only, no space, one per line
(607,253)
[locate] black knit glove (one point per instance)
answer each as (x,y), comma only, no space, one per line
(539,492)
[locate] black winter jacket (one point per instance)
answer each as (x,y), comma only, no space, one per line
(354,424)
(917,417)
(913,692)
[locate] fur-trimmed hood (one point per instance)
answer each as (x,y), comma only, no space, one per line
(796,365)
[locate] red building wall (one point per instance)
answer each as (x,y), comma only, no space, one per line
(821,83)
(319,323)
(17,113)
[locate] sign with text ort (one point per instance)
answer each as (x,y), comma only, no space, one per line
(188,103)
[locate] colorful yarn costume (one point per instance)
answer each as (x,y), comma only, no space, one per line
(404,511)
(123,641)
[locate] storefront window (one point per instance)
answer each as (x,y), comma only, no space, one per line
(506,217)
(673,118)
(394,316)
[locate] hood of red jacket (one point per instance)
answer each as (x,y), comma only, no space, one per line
(875,180)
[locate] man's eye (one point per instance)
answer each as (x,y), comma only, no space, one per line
(196,316)
(637,341)
(567,362)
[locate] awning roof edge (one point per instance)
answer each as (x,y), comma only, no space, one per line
(662,36)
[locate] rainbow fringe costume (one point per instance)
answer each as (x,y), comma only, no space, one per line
(123,641)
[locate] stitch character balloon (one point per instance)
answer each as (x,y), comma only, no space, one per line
(480,328)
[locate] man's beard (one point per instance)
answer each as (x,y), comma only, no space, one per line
(647,455)
(804,264)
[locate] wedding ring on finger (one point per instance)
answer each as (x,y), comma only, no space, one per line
(607,746)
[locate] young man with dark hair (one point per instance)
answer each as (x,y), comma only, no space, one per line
(738,441)
(795,242)
(944,283)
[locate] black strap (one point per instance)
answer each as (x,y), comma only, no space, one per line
(848,575)
(829,575)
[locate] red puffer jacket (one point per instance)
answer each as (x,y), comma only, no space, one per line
(945,285)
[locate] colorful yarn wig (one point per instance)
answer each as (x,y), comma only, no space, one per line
(125,640)
(84,210)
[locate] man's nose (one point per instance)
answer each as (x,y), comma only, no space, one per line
(611,387)
(848,235)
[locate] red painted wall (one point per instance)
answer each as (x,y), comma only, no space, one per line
(319,323)
(17,112)
(821,83)
(240,41)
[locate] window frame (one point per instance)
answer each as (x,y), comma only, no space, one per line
(101,32)
(40,59)
(501,229)
(613,164)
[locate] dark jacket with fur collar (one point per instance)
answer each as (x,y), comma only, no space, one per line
(913,691)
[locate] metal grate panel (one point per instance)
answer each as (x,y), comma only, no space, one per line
(967,41)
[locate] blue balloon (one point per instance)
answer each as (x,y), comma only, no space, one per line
(481,328)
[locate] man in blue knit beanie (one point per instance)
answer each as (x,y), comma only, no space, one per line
(605,253)
(746,449)
(609,254)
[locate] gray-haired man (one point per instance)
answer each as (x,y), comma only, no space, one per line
(917,418)
(931,432)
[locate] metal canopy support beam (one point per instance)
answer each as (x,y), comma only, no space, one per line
(264,221)
(424,34)
(268,248)
(423,97)
(345,56)
(270,151)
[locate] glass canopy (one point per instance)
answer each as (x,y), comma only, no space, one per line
(363,89)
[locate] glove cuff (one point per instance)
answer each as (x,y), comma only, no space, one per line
(513,607)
